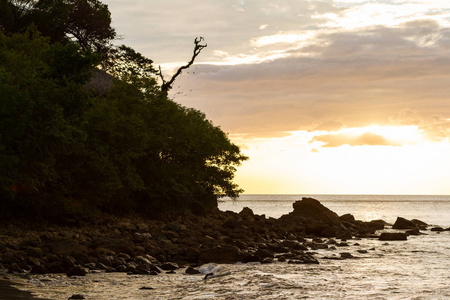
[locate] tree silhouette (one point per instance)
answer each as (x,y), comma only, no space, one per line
(167,85)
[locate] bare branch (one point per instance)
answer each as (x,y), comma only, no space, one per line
(167,85)
(161,76)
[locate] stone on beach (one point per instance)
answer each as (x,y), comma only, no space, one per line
(191,271)
(221,254)
(76,271)
(148,246)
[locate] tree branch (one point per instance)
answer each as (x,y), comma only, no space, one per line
(167,85)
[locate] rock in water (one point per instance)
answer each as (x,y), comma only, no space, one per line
(420,224)
(316,219)
(77,296)
(393,236)
(437,229)
(402,223)
(312,208)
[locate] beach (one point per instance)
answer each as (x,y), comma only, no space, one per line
(329,267)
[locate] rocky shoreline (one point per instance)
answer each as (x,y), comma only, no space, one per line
(138,246)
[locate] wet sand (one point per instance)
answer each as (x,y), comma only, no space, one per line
(8,292)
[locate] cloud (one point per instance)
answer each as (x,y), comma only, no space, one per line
(435,127)
(365,139)
(309,67)
(161,29)
(357,79)
(329,126)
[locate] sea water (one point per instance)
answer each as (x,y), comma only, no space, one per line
(418,268)
(430,209)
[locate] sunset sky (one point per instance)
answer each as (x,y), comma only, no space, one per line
(325,97)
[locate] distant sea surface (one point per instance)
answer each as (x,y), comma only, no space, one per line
(432,209)
(418,268)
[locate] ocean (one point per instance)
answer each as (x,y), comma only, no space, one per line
(418,268)
(428,208)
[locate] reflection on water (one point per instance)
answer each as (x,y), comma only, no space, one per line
(372,215)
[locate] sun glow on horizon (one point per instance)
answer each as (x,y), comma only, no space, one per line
(373,135)
(364,160)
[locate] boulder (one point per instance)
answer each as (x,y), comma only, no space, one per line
(263,253)
(76,271)
(34,252)
(267,260)
(68,262)
(248,257)
(420,224)
(313,209)
(169,266)
(393,236)
(38,269)
(437,229)
(55,267)
(377,224)
(402,223)
(76,296)
(412,232)
(231,224)
(347,218)
(345,255)
(192,271)
(277,248)
(220,254)
(9,257)
(246,212)
(311,217)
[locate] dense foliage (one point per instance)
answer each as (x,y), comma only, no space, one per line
(67,151)
(88,22)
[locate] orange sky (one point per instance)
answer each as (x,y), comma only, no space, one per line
(324,96)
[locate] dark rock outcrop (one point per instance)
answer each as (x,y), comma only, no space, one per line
(315,219)
(146,247)
(402,223)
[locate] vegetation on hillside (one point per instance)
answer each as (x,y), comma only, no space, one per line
(69,152)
